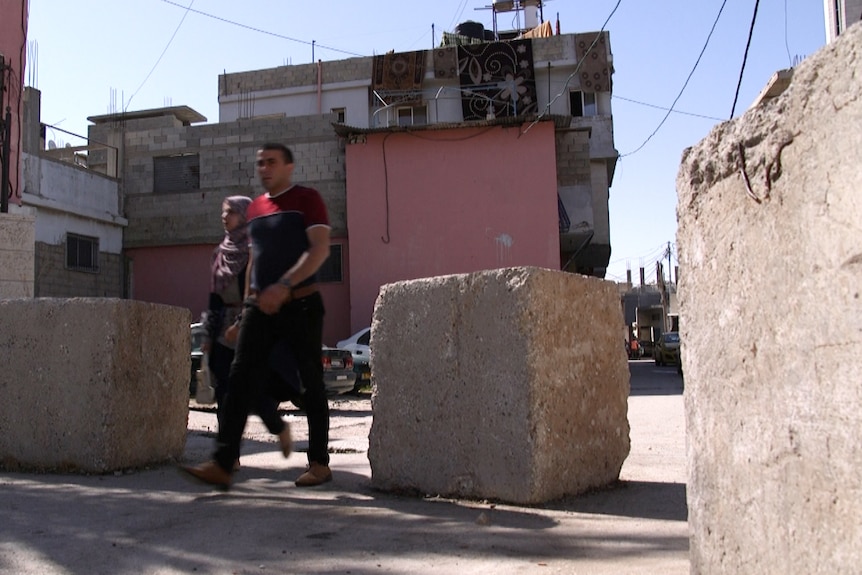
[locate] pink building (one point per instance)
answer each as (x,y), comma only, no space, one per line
(13,41)
(440,202)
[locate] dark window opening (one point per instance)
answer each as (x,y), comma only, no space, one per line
(412,115)
(582,103)
(82,253)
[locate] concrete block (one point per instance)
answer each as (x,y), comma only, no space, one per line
(770,303)
(17,231)
(17,255)
(508,384)
(92,384)
(16,289)
(18,265)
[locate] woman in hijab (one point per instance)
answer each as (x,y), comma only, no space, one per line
(227,292)
(227,287)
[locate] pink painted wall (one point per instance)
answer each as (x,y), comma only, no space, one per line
(441,202)
(179,276)
(13,41)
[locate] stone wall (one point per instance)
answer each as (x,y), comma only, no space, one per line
(771,300)
(507,384)
(92,384)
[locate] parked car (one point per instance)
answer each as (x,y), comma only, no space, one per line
(338,374)
(338,370)
(359,346)
(285,384)
(667,349)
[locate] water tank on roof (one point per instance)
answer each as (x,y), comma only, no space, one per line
(471,29)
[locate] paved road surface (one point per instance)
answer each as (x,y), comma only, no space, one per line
(154,522)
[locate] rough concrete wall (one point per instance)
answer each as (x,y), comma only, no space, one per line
(92,384)
(53,279)
(17,255)
(227,167)
(334,71)
(506,384)
(771,300)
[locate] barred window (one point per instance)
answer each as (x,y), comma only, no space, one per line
(330,271)
(82,253)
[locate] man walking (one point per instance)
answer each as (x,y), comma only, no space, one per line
(289,231)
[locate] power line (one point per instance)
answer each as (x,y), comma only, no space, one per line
(174,35)
(458,12)
(252,28)
(577,69)
(745,57)
(649,254)
(668,109)
(690,74)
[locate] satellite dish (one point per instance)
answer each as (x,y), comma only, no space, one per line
(52,145)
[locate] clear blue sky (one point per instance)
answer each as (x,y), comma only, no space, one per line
(97,56)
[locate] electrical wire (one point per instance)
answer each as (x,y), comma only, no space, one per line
(646,255)
(669,109)
(577,69)
(678,96)
(253,29)
(416,41)
(168,45)
(745,57)
(458,12)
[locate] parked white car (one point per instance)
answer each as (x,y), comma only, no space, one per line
(359,346)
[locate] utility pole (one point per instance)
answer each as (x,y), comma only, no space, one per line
(667,289)
(669,268)
(5,141)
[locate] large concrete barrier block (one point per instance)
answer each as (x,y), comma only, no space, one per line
(92,384)
(771,301)
(508,384)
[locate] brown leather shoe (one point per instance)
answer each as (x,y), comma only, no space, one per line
(317,474)
(210,473)
(284,440)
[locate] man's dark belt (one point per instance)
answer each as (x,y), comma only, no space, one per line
(303,291)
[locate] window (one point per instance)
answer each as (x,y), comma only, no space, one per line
(82,253)
(340,114)
(412,115)
(365,338)
(175,174)
(582,103)
(330,271)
